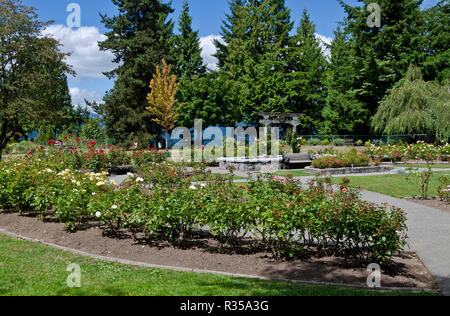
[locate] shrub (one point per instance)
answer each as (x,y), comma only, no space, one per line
(442,189)
(351,158)
(282,215)
(421,179)
(338,142)
(313,142)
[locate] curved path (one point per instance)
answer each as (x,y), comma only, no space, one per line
(429,235)
(428,231)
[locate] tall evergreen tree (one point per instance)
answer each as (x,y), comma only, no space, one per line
(265,79)
(140,37)
(437,63)
(187,58)
(384,53)
(343,113)
(308,65)
(234,27)
(253,56)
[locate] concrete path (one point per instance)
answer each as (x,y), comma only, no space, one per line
(429,235)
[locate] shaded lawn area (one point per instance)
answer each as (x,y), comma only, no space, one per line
(394,185)
(33,269)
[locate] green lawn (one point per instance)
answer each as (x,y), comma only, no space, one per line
(32,269)
(424,166)
(393,185)
(214,176)
(294,173)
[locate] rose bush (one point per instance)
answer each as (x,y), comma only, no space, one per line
(352,158)
(162,202)
(417,151)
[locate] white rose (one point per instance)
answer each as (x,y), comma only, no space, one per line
(98,214)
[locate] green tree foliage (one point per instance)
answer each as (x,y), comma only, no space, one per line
(437,63)
(382,55)
(232,31)
(253,55)
(415,106)
(343,113)
(92,129)
(187,56)
(209,98)
(33,83)
(308,65)
(140,35)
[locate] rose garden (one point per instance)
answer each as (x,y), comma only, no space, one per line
(275,206)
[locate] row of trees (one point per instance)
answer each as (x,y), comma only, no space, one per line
(266,66)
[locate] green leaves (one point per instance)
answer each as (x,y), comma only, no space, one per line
(33,83)
(139,36)
(414,106)
(187,50)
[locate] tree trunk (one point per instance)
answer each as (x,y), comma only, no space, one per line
(3,139)
(167,140)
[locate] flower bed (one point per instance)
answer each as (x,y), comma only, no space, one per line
(352,158)
(78,154)
(162,203)
(420,151)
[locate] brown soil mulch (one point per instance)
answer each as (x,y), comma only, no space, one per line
(433,202)
(205,254)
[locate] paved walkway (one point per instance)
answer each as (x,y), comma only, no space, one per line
(428,231)
(429,235)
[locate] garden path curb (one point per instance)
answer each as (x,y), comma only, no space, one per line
(181,269)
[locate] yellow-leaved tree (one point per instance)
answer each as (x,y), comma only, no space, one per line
(163,104)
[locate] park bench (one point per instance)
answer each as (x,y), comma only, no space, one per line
(348,142)
(296,160)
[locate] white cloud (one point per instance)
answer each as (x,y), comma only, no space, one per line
(79,95)
(86,58)
(327,41)
(209,49)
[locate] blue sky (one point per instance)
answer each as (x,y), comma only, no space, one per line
(207,18)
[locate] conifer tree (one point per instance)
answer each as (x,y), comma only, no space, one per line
(308,66)
(187,56)
(140,35)
(343,113)
(383,54)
